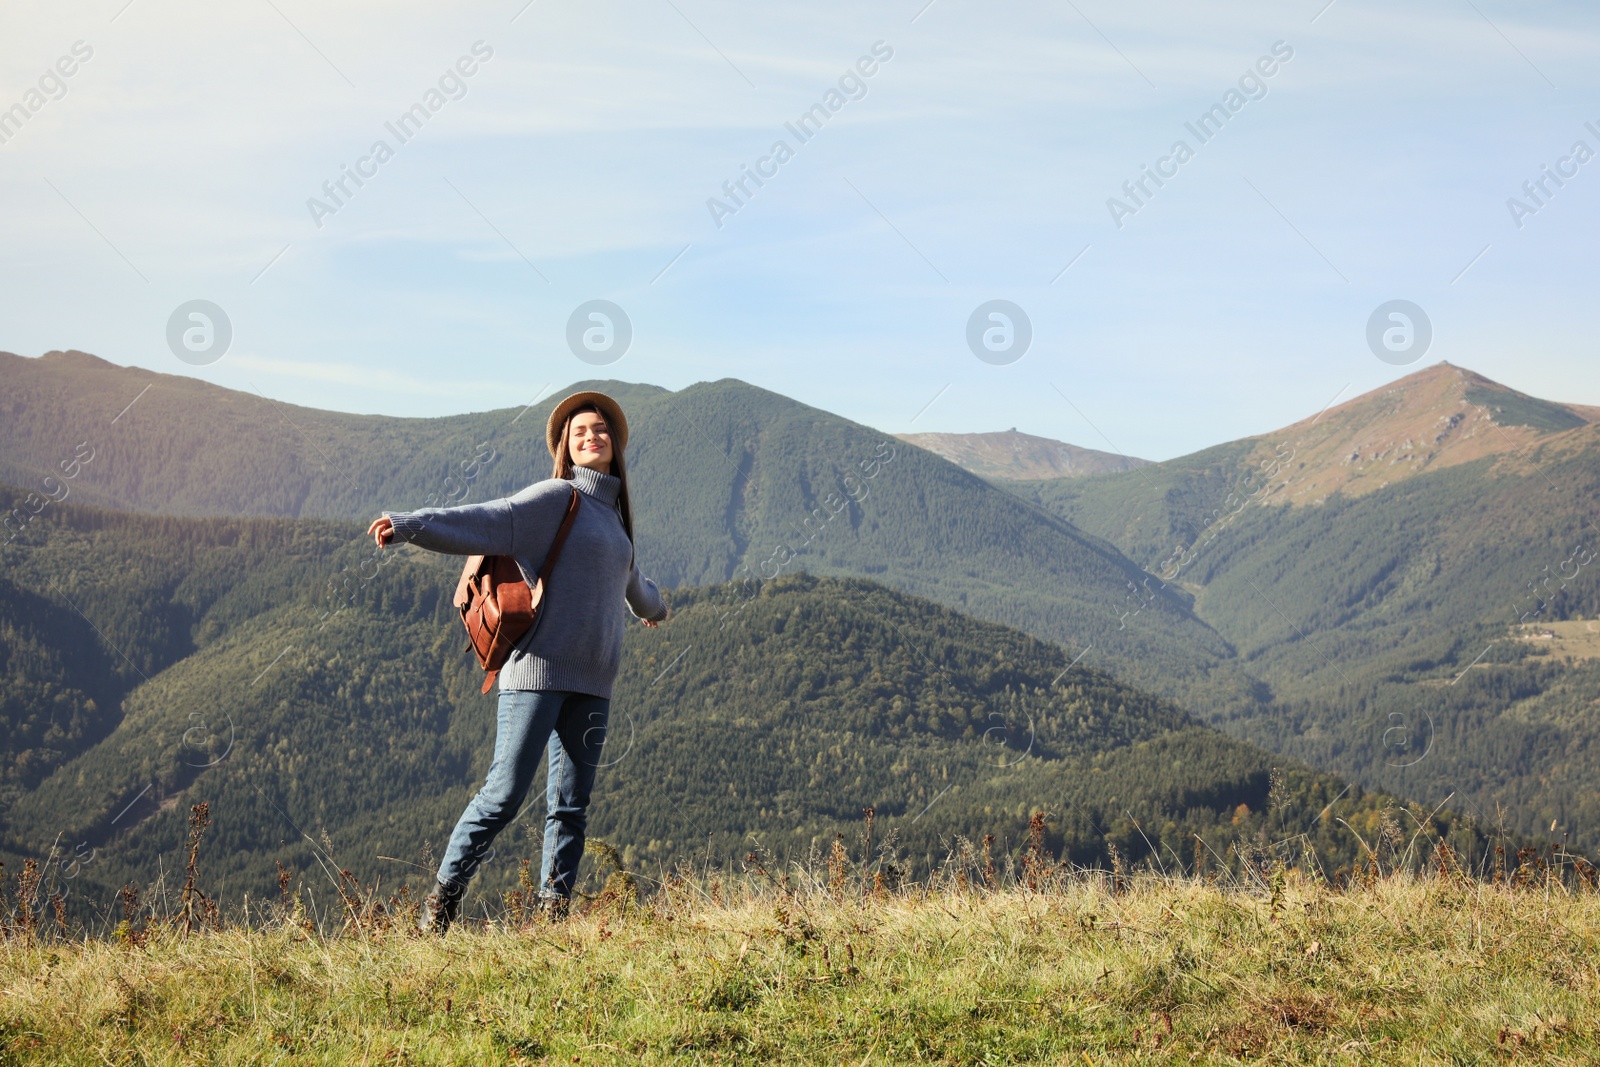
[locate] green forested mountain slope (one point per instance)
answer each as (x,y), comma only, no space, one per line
(1393,616)
(910,520)
(94,603)
(727,480)
(763,713)
(1402,609)
(1153,512)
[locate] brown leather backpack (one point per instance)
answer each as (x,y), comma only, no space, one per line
(497,605)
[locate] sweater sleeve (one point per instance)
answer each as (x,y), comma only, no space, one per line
(644,599)
(468,530)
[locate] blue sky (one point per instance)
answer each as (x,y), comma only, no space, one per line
(178,162)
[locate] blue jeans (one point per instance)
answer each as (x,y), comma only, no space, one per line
(574,724)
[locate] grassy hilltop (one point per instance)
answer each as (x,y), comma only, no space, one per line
(834,964)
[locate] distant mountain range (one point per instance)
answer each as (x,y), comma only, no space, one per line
(1345,591)
(1378,566)
(727,480)
(1009,454)
(1430,420)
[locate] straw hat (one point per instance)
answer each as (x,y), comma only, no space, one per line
(608,407)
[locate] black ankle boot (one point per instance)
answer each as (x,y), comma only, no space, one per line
(553,909)
(440,908)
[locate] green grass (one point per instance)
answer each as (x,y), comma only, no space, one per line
(1513,409)
(827,966)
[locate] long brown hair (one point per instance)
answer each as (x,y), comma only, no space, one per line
(563,465)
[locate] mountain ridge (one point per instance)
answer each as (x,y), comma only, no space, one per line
(1435,418)
(1014,455)
(1431,419)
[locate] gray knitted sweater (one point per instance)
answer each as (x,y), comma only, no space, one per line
(577,643)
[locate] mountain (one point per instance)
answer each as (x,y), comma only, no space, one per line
(318,697)
(1009,454)
(95,603)
(1435,419)
(727,480)
(174,445)
(1378,566)
(1310,591)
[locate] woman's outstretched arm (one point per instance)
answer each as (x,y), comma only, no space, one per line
(468,530)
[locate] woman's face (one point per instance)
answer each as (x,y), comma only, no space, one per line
(589,441)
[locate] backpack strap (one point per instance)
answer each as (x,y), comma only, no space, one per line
(561,538)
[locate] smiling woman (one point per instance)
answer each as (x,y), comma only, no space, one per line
(556,685)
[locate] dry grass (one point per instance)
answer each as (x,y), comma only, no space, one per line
(1569,640)
(841,966)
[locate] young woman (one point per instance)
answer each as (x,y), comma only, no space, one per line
(556,685)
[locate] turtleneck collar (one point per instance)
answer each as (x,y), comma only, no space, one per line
(603,487)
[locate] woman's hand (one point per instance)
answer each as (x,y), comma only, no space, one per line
(382,530)
(659,621)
